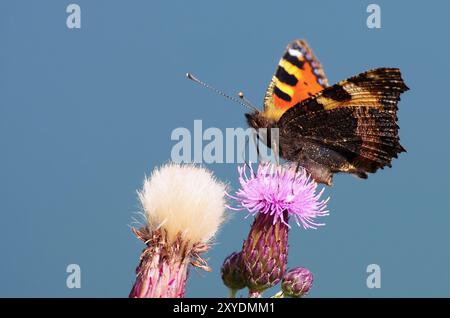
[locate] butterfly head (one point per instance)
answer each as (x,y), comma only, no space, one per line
(258,120)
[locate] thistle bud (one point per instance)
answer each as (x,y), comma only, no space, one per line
(297,282)
(232,273)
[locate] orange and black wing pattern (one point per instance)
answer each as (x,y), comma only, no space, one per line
(379,88)
(299,75)
(348,127)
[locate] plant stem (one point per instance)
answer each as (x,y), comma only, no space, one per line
(280,294)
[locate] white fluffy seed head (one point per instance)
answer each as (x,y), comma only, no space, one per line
(183,199)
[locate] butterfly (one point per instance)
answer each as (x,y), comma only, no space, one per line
(348,127)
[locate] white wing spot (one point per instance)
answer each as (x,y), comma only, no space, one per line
(295,53)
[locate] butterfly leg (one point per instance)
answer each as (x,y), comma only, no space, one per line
(276,152)
(247,164)
(297,169)
(256,141)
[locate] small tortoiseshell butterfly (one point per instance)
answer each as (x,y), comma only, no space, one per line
(347,127)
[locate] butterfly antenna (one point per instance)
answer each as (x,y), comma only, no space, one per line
(196,80)
(245,100)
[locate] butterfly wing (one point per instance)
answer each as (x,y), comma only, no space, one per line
(348,127)
(379,88)
(299,75)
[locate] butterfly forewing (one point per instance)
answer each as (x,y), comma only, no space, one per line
(379,88)
(298,76)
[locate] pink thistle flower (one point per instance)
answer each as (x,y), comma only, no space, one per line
(274,194)
(274,190)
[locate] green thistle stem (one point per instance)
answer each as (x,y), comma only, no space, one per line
(232,293)
(280,294)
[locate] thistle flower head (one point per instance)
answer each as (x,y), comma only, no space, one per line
(232,272)
(297,282)
(183,200)
(184,207)
(274,190)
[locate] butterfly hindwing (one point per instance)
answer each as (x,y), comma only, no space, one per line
(348,127)
(298,76)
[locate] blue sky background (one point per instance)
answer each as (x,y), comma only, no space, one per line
(84,114)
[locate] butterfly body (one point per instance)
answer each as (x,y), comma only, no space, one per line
(347,127)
